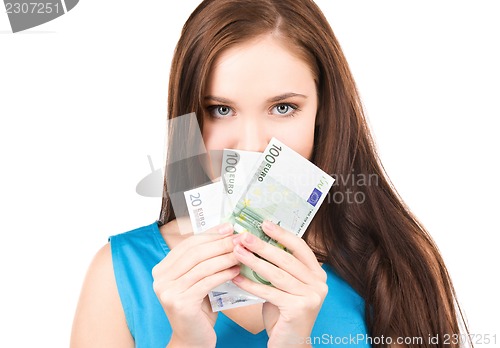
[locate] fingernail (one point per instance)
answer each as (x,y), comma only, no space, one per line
(235,270)
(226,229)
(268,225)
(240,250)
(238,279)
(249,238)
(237,239)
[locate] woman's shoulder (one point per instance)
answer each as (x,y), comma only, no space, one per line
(134,253)
(99,299)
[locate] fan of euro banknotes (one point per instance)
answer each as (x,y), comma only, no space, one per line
(277,185)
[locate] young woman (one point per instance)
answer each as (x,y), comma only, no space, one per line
(365,273)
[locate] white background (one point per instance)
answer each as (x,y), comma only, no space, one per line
(83,102)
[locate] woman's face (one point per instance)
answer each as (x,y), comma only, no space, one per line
(258,90)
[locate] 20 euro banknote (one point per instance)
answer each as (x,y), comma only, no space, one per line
(204,206)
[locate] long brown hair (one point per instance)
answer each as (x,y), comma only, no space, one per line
(377,245)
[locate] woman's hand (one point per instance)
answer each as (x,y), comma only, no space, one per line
(183,279)
(298,279)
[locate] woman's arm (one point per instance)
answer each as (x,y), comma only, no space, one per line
(99,320)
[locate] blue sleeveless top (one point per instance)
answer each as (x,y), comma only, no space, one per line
(135,253)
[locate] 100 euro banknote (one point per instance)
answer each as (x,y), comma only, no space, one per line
(286,189)
(237,169)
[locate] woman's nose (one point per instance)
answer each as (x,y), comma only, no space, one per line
(252,135)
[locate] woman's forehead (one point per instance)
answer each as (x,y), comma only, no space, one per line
(264,64)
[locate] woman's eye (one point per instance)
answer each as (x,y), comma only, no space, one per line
(220,111)
(284,109)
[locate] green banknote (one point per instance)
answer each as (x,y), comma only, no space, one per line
(285,188)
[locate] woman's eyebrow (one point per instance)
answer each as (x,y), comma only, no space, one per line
(270,100)
(285,96)
(218,99)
